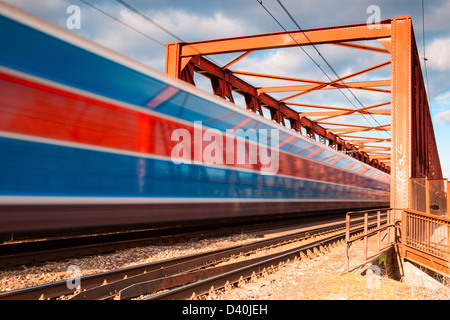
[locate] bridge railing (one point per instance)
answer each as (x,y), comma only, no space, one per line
(384,219)
(429,196)
(425,240)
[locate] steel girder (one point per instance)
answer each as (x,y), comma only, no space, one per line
(413,151)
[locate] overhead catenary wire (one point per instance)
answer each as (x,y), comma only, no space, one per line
(425,57)
(329,65)
(159,26)
(124,23)
(148,19)
(315,62)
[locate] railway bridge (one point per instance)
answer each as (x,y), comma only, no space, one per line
(88,144)
(408,148)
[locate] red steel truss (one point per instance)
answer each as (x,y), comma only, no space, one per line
(412,152)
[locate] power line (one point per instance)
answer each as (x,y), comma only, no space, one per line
(319,53)
(312,59)
(329,65)
(136,11)
(125,24)
(424,57)
(148,19)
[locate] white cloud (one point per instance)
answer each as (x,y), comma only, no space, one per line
(185,25)
(195,27)
(284,62)
(443,98)
(443,118)
(436,15)
(437,54)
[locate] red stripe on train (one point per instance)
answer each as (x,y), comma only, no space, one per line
(36,109)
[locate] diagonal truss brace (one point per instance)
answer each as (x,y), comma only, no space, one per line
(413,147)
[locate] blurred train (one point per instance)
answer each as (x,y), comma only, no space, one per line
(86,141)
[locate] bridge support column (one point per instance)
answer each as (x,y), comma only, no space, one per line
(401,54)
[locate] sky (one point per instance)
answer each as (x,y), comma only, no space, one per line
(211,19)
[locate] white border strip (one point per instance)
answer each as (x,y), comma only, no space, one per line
(33,200)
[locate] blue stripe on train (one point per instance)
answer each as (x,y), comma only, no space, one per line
(43,55)
(31,168)
(40,54)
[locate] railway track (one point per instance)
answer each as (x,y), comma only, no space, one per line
(29,252)
(34,251)
(225,276)
(186,275)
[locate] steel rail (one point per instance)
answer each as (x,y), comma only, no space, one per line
(28,252)
(214,257)
(220,279)
(187,272)
(51,249)
(108,284)
(58,288)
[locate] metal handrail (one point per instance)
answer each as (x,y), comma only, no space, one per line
(425,240)
(367,233)
(446,219)
(427,233)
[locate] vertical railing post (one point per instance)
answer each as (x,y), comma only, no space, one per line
(404,231)
(347,241)
(390,219)
(448,198)
(448,244)
(427,195)
(378,227)
(366,222)
(412,204)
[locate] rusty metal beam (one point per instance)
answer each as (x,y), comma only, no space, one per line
(424,155)
(368,138)
(276,40)
(381,157)
(337,81)
(355,125)
(275,77)
(362,47)
(221,78)
(362,142)
(316,106)
(401,54)
(242,56)
(363,85)
(360,111)
(414,151)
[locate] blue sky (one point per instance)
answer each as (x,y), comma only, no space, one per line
(210,19)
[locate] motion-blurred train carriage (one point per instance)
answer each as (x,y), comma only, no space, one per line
(86,143)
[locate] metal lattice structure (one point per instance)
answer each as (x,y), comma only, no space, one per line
(409,152)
